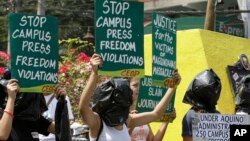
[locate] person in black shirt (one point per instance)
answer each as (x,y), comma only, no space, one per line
(202,94)
(27,119)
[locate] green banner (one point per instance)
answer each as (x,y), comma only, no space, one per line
(230,25)
(119,37)
(34,51)
(150,96)
(164,50)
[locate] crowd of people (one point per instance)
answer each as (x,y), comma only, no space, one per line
(108,108)
(109,117)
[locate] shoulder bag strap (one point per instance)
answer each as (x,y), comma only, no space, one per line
(51,98)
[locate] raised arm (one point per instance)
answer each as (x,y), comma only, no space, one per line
(147,117)
(89,117)
(7,118)
(162,130)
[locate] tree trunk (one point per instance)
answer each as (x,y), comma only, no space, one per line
(209,20)
(41,7)
(15,7)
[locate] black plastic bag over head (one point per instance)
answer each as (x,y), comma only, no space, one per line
(3,85)
(204,91)
(111,100)
(7,73)
(242,99)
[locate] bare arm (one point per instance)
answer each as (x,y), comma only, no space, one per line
(6,121)
(89,117)
(147,117)
(187,138)
(52,128)
(161,132)
(150,134)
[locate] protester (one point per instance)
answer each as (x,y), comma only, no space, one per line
(144,132)
(28,107)
(8,113)
(202,94)
(109,117)
(242,96)
(51,103)
(242,85)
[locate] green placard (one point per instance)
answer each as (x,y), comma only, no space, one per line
(34,51)
(119,37)
(230,25)
(150,96)
(164,50)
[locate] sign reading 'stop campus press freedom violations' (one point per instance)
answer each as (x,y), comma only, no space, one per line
(119,37)
(215,127)
(34,51)
(150,96)
(164,50)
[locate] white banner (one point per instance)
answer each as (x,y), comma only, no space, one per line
(245,5)
(215,127)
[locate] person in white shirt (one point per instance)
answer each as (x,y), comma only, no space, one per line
(144,132)
(51,102)
(113,111)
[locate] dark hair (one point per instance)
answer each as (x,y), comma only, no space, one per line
(7,73)
(3,86)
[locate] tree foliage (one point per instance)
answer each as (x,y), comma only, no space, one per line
(74,16)
(74,69)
